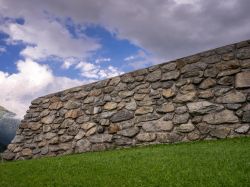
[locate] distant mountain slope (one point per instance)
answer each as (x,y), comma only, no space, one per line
(8,126)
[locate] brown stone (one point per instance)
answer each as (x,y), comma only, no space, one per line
(170,92)
(232,97)
(144,110)
(75,113)
(113,128)
(87,126)
(207,83)
(56,105)
(242,80)
(110,106)
(146,137)
(26,152)
(172,75)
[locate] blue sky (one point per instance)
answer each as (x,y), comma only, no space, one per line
(47,46)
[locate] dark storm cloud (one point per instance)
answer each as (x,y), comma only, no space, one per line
(166,28)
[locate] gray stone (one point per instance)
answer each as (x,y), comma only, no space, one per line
(34,126)
(181,109)
(194,73)
(131,105)
(66,147)
(194,67)
(46,128)
(232,97)
(67,123)
(100,138)
(207,83)
(203,128)
(48,119)
(195,135)
(245,63)
(49,135)
(169,66)
(82,146)
(174,137)
(233,106)
(221,91)
(211,72)
(129,132)
(168,116)
(243,53)
(65,138)
(44,113)
(163,137)
(225,116)
(125,94)
(127,78)
(157,126)
(140,72)
(121,141)
(220,132)
(187,127)
(122,115)
(181,118)
(114,81)
(7,155)
(166,107)
(242,129)
(225,49)
(139,97)
(154,76)
(228,65)
(242,80)
(226,80)
(107,114)
(246,116)
(54,140)
(203,107)
(228,72)
(182,98)
(146,137)
(72,105)
(172,75)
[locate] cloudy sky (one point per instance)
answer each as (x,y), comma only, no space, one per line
(47,46)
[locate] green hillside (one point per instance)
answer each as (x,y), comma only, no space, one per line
(210,163)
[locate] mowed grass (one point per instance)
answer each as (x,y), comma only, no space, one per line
(206,163)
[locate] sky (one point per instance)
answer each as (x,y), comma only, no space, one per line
(47,46)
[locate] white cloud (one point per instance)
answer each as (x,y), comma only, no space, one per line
(129,58)
(31,81)
(168,29)
(69,62)
(142,59)
(2,49)
(46,37)
(95,71)
(99,60)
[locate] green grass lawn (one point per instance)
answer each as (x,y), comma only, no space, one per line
(208,163)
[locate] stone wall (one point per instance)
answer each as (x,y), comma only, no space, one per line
(200,97)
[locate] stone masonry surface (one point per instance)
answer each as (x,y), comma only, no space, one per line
(200,97)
